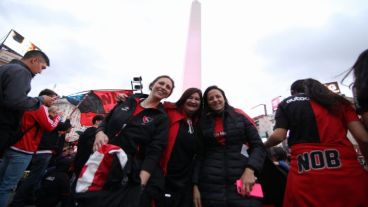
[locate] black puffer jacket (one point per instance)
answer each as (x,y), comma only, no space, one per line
(222,165)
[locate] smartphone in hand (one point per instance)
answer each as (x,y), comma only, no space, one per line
(256,190)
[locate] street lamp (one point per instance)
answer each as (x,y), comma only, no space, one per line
(264,107)
(137,84)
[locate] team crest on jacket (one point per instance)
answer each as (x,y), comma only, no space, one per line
(146,120)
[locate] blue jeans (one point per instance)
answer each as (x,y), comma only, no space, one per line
(11,171)
(27,188)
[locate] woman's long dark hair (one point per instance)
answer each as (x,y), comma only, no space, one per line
(360,72)
(360,69)
(318,92)
(187,93)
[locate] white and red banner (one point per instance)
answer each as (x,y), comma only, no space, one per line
(95,172)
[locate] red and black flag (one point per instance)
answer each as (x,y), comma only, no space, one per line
(93,102)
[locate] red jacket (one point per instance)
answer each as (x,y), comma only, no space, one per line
(36,122)
(175,116)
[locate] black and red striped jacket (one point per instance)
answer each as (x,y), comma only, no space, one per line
(143,137)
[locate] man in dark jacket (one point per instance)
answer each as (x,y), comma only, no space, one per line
(17,157)
(15,84)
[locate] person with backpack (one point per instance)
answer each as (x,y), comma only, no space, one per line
(51,146)
(18,156)
(15,84)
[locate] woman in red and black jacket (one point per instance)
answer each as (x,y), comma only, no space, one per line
(178,158)
(324,168)
(140,128)
(232,150)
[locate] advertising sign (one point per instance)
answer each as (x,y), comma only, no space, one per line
(333,86)
(17,44)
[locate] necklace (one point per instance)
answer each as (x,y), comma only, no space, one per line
(190,126)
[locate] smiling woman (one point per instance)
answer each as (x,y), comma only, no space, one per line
(226,134)
(140,128)
(183,144)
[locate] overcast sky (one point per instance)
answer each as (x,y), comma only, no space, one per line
(253,50)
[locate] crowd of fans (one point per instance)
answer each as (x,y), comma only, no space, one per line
(198,151)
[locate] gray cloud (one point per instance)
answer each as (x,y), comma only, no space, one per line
(68,62)
(36,14)
(321,53)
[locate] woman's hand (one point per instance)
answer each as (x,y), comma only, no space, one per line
(144,176)
(248,180)
(101,139)
(196,197)
(121,97)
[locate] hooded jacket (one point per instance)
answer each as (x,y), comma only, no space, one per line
(15,84)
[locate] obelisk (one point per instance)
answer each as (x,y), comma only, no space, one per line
(192,67)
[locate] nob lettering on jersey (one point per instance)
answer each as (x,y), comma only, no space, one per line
(318,160)
(297,98)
